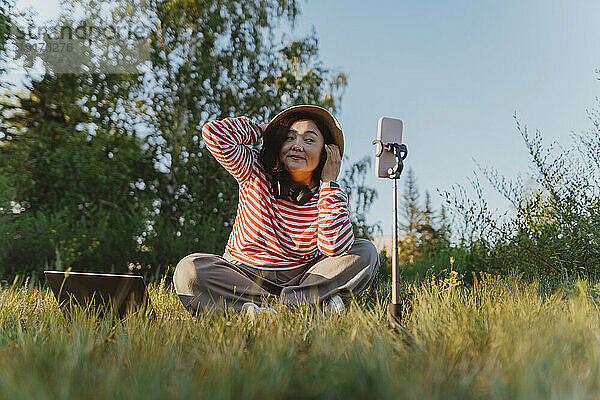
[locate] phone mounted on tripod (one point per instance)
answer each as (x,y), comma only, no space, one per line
(390,152)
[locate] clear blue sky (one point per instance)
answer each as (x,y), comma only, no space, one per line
(455,72)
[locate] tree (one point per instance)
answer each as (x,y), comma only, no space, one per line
(84,181)
(5,24)
(427,231)
(228,64)
(208,60)
(413,218)
(424,241)
(360,198)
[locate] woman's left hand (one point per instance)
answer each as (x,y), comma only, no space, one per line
(331,169)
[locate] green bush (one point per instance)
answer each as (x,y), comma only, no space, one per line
(168,242)
(26,243)
(99,241)
(555,229)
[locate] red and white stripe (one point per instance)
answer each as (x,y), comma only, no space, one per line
(271,233)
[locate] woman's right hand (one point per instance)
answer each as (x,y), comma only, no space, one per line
(331,169)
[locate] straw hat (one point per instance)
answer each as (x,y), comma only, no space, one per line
(318,113)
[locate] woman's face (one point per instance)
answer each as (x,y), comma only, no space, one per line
(301,150)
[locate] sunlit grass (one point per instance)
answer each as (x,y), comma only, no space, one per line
(501,338)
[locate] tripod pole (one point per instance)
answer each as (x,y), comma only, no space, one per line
(394,308)
(400,152)
(395,249)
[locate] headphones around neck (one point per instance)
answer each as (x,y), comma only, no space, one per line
(300,195)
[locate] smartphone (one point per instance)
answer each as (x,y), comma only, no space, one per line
(389,131)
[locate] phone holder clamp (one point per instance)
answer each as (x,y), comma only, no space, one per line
(400,152)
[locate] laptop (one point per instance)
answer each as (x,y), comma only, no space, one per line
(121,294)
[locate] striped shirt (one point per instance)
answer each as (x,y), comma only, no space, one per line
(271,233)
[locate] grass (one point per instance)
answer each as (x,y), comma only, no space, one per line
(502,338)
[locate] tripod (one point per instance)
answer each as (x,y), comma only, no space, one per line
(400,152)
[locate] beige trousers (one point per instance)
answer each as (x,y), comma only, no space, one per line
(211,282)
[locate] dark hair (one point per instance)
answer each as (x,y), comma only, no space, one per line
(274,137)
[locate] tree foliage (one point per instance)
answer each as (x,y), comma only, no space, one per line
(228,64)
(5,25)
(111,168)
(360,198)
(424,234)
(554,231)
(82,180)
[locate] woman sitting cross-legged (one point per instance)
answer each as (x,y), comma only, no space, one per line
(292,239)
